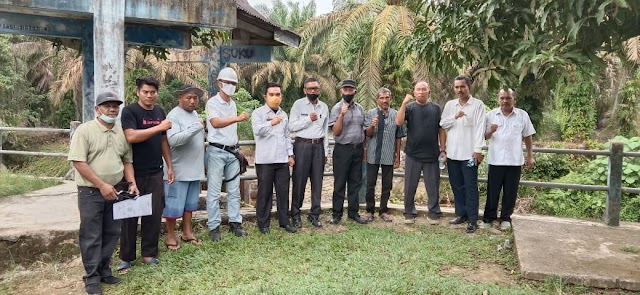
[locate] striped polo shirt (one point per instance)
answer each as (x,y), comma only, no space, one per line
(387,142)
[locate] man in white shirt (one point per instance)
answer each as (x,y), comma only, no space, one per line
(464,121)
(274,156)
(222,119)
(309,119)
(506,128)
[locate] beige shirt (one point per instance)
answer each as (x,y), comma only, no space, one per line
(105,150)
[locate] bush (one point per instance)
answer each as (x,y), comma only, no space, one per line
(576,103)
(571,203)
(245,103)
(548,167)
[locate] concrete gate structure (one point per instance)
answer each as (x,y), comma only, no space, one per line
(104,27)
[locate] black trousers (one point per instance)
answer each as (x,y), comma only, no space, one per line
(387,184)
(98,234)
(310,162)
(505,179)
(268,176)
(347,175)
(150,225)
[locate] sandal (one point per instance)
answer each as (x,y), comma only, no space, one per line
(191,241)
(124,268)
(368,217)
(172,247)
(152,261)
(386,217)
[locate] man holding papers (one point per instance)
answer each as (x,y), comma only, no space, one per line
(101,156)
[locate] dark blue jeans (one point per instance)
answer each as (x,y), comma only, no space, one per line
(464,184)
(98,234)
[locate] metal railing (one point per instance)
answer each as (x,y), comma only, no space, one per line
(614,188)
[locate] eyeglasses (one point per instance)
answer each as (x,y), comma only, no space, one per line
(312,89)
(229,82)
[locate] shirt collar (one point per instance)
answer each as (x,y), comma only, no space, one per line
(471,100)
(267,109)
(220,100)
(102,128)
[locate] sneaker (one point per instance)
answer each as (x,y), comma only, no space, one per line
(433,220)
(295,221)
(409,220)
(236,229)
(111,280)
(471,228)
(214,234)
(458,220)
(484,225)
(505,225)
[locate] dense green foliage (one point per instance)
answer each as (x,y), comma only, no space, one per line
(576,104)
(628,114)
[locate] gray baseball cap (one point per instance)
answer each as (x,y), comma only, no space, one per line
(107,97)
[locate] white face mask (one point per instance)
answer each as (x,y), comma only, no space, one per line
(107,119)
(228,89)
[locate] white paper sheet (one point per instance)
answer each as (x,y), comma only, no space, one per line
(138,206)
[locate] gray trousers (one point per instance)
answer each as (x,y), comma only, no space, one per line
(431,178)
(98,235)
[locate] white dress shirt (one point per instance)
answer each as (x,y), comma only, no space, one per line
(273,144)
(301,124)
(465,135)
(218,108)
(505,145)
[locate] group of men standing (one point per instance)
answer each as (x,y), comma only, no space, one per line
(163,155)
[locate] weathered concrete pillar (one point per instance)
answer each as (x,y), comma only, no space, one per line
(614,181)
(214,69)
(108,46)
(88,101)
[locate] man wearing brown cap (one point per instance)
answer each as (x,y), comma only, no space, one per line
(101,156)
(186,139)
(347,123)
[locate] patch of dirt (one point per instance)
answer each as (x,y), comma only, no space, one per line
(45,278)
(485,273)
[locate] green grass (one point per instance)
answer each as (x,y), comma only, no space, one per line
(631,249)
(15,184)
(47,166)
(337,260)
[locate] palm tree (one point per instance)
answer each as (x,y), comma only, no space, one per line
(365,37)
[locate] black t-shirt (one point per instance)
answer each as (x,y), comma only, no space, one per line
(147,155)
(423,123)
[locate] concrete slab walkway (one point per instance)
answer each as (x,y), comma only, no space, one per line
(581,252)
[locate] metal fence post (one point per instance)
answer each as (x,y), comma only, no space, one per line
(71,173)
(614,182)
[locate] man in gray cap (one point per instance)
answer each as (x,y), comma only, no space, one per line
(222,119)
(186,139)
(101,156)
(347,123)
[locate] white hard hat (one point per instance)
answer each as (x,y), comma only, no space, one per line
(228,74)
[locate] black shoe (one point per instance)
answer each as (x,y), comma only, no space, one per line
(214,234)
(458,220)
(236,229)
(93,289)
(111,280)
(335,220)
(264,230)
(314,221)
(289,228)
(472,227)
(358,219)
(295,221)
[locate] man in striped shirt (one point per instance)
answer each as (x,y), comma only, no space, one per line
(383,150)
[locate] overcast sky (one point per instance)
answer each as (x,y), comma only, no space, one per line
(322,6)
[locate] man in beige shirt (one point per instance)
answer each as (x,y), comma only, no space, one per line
(101,156)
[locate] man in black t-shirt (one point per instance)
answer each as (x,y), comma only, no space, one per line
(145,125)
(425,143)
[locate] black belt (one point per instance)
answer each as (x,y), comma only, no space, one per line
(88,188)
(310,140)
(228,148)
(351,145)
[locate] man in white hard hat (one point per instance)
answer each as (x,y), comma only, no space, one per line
(222,119)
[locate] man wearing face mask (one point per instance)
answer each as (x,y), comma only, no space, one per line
(347,124)
(310,121)
(101,156)
(222,119)
(274,156)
